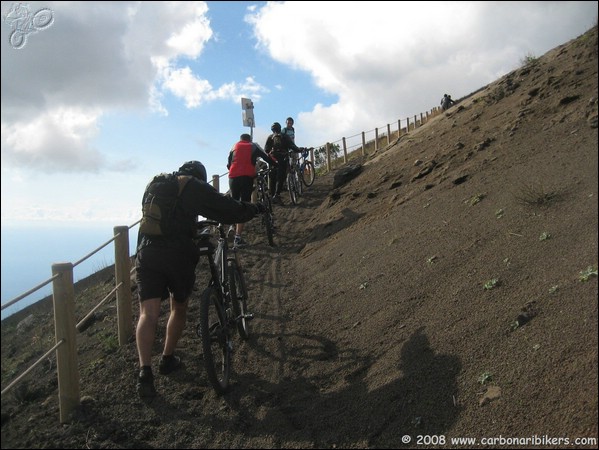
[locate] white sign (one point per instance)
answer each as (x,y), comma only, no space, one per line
(247,113)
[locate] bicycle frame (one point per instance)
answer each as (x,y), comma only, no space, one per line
(223,306)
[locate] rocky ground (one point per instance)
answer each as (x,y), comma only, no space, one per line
(448,291)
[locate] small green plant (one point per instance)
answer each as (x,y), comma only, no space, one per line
(475,199)
(499,213)
(491,284)
(544,236)
(528,59)
(587,273)
(485,377)
(432,259)
(553,289)
(110,342)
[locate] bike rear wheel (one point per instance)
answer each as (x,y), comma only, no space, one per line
(298,181)
(268,220)
(308,174)
(239,298)
(216,340)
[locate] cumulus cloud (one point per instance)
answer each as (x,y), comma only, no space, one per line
(385,60)
(98,58)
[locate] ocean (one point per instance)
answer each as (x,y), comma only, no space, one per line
(28,253)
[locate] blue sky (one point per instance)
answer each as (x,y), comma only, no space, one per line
(109,94)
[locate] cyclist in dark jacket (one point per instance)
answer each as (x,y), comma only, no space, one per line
(242,172)
(165,263)
(278,146)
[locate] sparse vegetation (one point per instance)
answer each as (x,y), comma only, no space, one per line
(493,283)
(535,194)
(477,198)
(586,274)
(528,59)
(485,377)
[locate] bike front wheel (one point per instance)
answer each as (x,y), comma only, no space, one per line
(239,298)
(308,174)
(292,188)
(216,340)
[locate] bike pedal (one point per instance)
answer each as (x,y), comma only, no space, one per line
(248,316)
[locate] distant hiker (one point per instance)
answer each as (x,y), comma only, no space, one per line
(167,257)
(446,102)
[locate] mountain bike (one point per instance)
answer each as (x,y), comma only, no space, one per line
(307,171)
(263,196)
(294,185)
(223,304)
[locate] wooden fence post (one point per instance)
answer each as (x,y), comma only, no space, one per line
(63,294)
(344,152)
(215,182)
(398,128)
(376,139)
(388,134)
(122,274)
(363,144)
(328,147)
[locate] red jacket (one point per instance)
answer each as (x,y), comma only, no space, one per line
(242,159)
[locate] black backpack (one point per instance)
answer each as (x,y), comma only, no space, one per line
(159,205)
(277,143)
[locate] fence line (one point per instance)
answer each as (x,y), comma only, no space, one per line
(64,296)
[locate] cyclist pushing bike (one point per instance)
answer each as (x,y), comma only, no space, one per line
(167,257)
(242,171)
(277,146)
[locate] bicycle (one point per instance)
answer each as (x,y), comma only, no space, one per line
(294,185)
(223,304)
(263,196)
(307,171)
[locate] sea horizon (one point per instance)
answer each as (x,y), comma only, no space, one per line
(29,251)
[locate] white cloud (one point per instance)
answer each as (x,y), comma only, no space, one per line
(386,60)
(96,58)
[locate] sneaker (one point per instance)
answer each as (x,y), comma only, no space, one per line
(145,384)
(238,242)
(169,364)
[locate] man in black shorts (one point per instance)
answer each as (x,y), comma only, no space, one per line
(242,171)
(167,257)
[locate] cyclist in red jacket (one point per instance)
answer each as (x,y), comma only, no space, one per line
(242,171)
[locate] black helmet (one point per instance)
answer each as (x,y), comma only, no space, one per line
(275,127)
(289,119)
(195,169)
